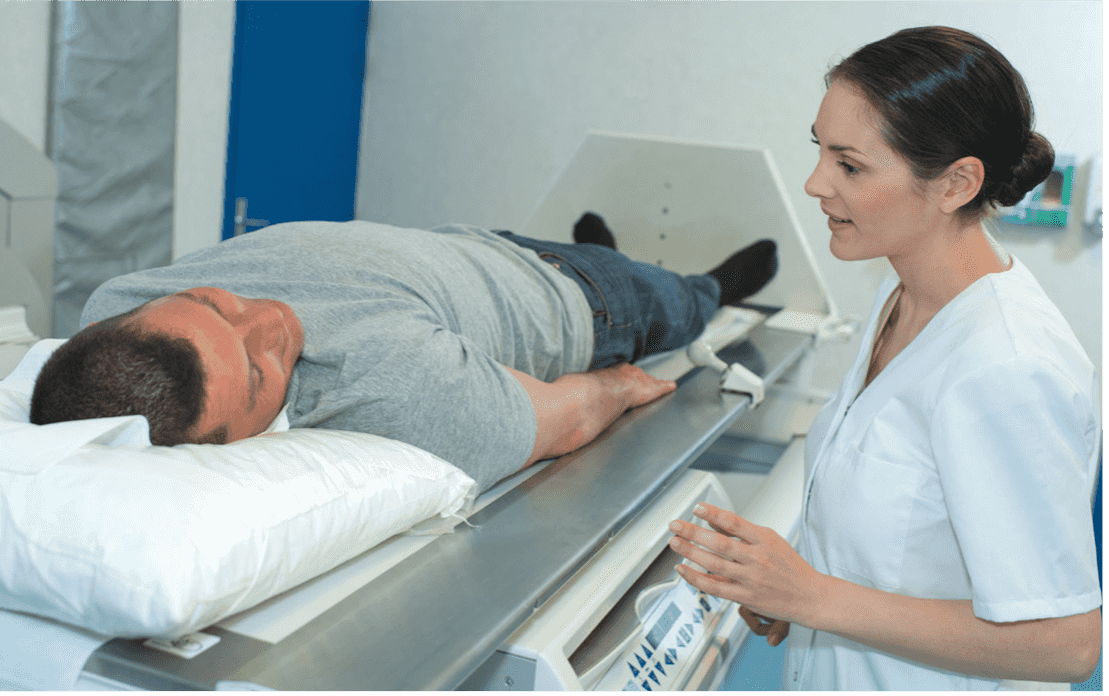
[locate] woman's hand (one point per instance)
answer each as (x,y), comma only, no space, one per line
(755,567)
(752,566)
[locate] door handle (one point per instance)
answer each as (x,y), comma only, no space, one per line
(242,221)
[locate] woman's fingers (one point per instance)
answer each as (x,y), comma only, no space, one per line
(713,584)
(719,543)
(707,554)
(727,522)
(748,564)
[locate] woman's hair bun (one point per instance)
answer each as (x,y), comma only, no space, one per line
(1034,166)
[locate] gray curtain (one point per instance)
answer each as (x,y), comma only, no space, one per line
(111,136)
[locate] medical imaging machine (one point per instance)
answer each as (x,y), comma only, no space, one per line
(562,578)
(28,187)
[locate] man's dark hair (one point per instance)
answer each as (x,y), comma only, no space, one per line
(115,368)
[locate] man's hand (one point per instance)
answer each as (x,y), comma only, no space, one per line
(574,409)
(629,383)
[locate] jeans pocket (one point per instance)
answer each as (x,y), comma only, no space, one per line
(560,262)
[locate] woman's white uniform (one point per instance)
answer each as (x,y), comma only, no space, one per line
(965,470)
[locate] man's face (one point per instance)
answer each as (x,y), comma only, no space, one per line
(248,348)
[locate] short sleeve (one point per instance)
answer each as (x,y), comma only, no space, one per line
(1016,450)
(435,389)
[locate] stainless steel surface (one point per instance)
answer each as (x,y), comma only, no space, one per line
(433,619)
(130,662)
(502,672)
(736,454)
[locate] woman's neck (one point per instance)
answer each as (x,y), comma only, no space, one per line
(944,264)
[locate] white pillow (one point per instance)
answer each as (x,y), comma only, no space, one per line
(101,529)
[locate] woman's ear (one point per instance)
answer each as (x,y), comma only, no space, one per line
(961,183)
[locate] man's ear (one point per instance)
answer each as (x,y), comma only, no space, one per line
(961,183)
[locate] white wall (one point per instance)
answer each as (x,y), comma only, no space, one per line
(471,109)
(24,61)
(206,32)
(205,45)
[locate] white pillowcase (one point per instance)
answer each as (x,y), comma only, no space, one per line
(101,529)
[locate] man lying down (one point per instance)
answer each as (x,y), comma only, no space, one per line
(490,350)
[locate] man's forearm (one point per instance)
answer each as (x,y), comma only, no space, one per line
(588,403)
(574,409)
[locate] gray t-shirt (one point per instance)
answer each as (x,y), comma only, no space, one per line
(406,331)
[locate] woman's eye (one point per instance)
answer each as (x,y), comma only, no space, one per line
(849,169)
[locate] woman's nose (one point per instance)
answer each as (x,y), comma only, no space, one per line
(815,186)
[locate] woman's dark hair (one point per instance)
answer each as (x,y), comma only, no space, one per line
(115,368)
(944,94)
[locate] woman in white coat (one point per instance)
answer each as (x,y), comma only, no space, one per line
(946,533)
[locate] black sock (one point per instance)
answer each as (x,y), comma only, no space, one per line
(746,272)
(591,229)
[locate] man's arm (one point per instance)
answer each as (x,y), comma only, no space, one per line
(574,409)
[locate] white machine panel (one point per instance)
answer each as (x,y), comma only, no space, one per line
(685,206)
(679,622)
(28,187)
(626,607)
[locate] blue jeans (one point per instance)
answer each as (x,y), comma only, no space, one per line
(638,308)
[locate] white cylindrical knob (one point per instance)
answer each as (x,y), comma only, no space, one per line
(700,353)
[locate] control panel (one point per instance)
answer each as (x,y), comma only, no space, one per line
(674,630)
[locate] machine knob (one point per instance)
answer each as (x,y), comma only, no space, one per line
(701,353)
